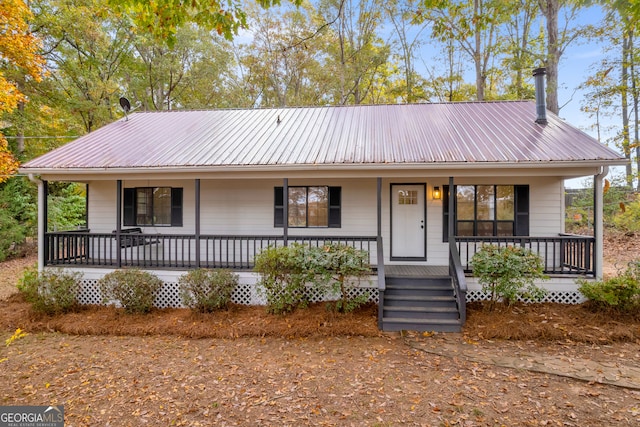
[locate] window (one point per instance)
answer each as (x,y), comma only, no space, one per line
(308,206)
(152,206)
(407,197)
(488,210)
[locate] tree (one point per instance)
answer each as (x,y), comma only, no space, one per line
(409,37)
(163,18)
(86,47)
(358,55)
(474,27)
(188,75)
(558,39)
(282,65)
(521,48)
(19,50)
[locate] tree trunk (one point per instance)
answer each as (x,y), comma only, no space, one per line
(624,87)
(634,94)
(550,9)
(477,59)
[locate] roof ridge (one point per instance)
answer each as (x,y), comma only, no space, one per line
(299,107)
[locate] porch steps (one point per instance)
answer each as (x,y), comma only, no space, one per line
(420,304)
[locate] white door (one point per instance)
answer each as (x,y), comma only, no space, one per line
(408,221)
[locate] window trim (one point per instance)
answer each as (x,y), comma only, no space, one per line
(521,211)
(129,207)
(334,211)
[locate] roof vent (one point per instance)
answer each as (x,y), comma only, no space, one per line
(541,106)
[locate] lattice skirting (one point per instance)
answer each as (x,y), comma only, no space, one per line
(562,297)
(244,293)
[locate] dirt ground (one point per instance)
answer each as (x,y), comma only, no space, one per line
(244,367)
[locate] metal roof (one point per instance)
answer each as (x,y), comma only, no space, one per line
(471,133)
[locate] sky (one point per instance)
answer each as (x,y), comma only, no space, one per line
(576,66)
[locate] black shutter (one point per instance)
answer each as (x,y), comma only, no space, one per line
(129,207)
(278,207)
(335,201)
(521,210)
(445,213)
(176,207)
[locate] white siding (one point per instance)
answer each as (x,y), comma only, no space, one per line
(246,207)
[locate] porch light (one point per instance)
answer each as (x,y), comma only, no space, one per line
(436,193)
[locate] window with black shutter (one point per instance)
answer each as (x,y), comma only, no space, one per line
(152,206)
(308,207)
(487,210)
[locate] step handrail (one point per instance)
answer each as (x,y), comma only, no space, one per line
(459,281)
(382,284)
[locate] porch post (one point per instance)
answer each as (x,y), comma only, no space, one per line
(118,221)
(451,212)
(43,216)
(379,207)
(598,230)
(198,223)
(285,209)
(42,221)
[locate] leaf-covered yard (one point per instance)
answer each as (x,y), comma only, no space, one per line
(246,367)
(335,381)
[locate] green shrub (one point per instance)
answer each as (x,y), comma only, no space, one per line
(18,214)
(50,291)
(291,273)
(207,290)
(508,273)
(344,263)
(134,289)
(621,293)
(286,273)
(629,219)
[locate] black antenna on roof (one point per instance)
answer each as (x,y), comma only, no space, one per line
(126,106)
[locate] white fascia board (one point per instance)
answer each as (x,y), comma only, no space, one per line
(564,169)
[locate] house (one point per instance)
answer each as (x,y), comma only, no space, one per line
(171,191)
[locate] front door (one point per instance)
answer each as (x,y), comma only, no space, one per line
(408,221)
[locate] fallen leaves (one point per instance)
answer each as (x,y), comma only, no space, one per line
(330,381)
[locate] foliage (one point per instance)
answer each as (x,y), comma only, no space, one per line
(18,214)
(621,293)
(18,48)
(286,272)
(291,272)
(50,291)
(343,263)
(162,17)
(579,207)
(207,290)
(628,220)
(67,208)
(18,334)
(134,289)
(508,273)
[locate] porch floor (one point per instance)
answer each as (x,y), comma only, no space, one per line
(425,271)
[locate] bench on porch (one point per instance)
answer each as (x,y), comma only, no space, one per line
(130,237)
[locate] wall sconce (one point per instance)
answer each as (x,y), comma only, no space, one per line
(437,195)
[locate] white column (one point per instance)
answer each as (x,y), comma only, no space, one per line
(598,230)
(42,217)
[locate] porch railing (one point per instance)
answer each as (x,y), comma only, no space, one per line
(168,251)
(562,254)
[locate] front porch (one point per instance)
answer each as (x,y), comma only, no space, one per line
(564,254)
(409,296)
